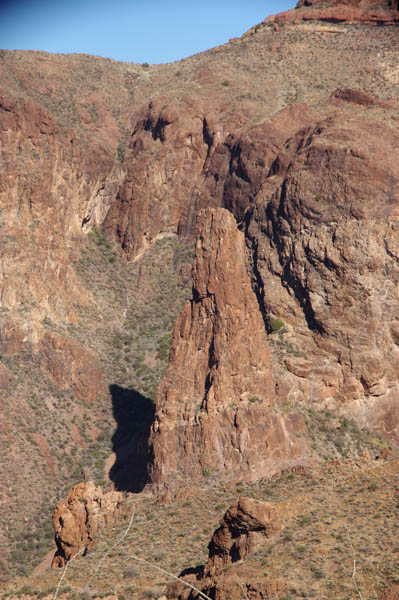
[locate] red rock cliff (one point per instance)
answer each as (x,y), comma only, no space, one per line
(215,404)
(324,233)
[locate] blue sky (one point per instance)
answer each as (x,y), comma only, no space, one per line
(153,31)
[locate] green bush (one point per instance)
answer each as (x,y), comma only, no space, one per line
(276,324)
(120,153)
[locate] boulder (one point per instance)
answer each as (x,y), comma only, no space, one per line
(244,526)
(77,521)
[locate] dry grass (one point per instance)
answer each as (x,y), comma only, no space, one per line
(313,554)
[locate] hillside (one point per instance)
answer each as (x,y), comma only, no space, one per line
(240,208)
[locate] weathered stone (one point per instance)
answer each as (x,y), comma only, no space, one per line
(234,584)
(299,367)
(327,263)
(381,12)
(215,404)
(245,525)
(77,521)
(353,96)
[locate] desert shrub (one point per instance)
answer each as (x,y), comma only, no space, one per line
(163,347)
(317,573)
(131,572)
(276,324)
(255,399)
(152,592)
(120,153)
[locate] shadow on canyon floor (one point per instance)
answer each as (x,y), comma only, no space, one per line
(134,415)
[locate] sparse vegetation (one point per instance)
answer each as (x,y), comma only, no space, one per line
(311,555)
(276,325)
(61,439)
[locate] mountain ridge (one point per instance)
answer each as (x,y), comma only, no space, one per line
(105,168)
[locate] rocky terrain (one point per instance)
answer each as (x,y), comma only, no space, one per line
(198,287)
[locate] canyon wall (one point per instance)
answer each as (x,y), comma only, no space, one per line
(323,230)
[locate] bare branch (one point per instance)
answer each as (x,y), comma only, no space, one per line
(109,551)
(64,571)
(171,575)
(354,566)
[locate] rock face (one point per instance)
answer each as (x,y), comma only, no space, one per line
(178,140)
(215,404)
(324,238)
(238,583)
(37,187)
(50,186)
(85,512)
(381,12)
(200,158)
(246,524)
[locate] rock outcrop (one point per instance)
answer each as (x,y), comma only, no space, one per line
(177,141)
(380,12)
(245,525)
(200,158)
(215,406)
(323,230)
(84,514)
(235,584)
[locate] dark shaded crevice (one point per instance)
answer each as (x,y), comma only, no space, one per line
(287,278)
(156,131)
(212,362)
(207,137)
(198,571)
(258,285)
(134,415)
(235,554)
(236,165)
(302,297)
